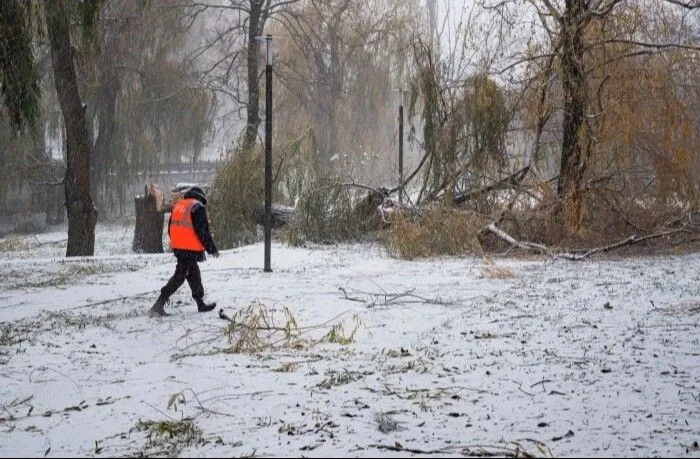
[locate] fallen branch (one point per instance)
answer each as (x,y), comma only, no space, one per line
(39,243)
(465,450)
(399,447)
(411,175)
(512,181)
(629,241)
(255,327)
(380,191)
(224,316)
(386,298)
(121,298)
(539,248)
(530,246)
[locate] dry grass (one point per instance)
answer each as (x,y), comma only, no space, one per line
(496,272)
(168,438)
(14,243)
(385,423)
(434,231)
(338,335)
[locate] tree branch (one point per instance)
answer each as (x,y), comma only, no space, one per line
(512,180)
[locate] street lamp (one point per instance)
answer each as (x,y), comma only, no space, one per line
(268,151)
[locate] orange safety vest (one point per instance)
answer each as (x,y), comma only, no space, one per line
(181,230)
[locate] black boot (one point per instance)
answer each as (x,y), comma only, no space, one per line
(157,310)
(204,307)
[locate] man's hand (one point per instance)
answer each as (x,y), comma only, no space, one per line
(215,254)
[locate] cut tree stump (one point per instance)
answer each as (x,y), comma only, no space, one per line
(148,233)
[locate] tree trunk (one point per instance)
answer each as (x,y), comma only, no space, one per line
(329,91)
(255,25)
(323,113)
(82,215)
(104,144)
(573,160)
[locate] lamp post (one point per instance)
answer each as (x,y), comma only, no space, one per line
(268,152)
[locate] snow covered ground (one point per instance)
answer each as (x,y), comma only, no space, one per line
(346,351)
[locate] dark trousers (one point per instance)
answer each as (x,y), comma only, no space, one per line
(186,269)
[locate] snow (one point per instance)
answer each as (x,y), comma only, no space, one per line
(450,356)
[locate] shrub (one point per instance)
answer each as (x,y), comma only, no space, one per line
(236,193)
(332,212)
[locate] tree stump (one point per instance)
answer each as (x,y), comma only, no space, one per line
(148,233)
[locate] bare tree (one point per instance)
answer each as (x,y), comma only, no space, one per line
(233,45)
(340,70)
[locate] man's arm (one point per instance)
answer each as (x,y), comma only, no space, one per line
(201,227)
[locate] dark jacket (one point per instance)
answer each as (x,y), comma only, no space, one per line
(201,227)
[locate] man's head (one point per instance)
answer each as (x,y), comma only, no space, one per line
(198,194)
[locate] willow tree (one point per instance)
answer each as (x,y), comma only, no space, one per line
(18,76)
(642,128)
(465,120)
(576,45)
(18,86)
(585,43)
(341,68)
(229,57)
(145,104)
(20,91)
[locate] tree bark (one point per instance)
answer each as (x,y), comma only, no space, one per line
(573,160)
(82,215)
(106,117)
(255,25)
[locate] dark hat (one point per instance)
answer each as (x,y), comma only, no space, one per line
(197,193)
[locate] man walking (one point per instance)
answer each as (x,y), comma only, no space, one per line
(189,234)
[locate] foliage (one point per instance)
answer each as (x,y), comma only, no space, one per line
(295,162)
(141,97)
(236,195)
(338,335)
(21,161)
(18,75)
(256,328)
(333,212)
(386,423)
(629,135)
(338,379)
(464,126)
(646,141)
